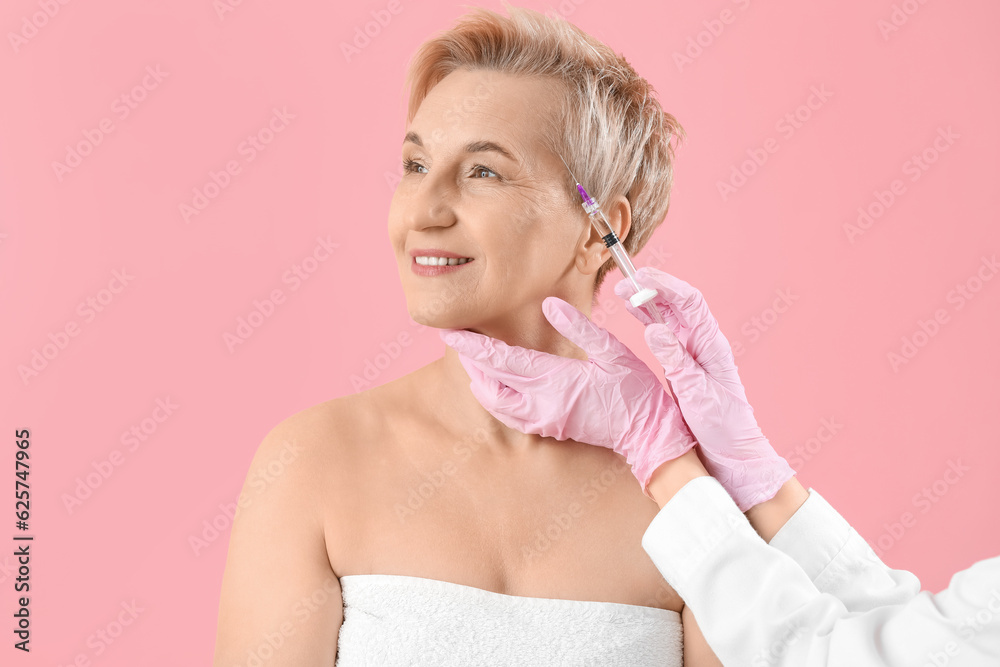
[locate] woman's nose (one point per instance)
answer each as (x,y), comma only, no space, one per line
(431,205)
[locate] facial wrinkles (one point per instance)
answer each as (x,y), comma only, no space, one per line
(524,211)
(527,176)
(519,200)
(522,226)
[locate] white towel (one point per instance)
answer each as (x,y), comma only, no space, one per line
(396,620)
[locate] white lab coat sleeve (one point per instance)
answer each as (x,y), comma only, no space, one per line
(839,561)
(756,606)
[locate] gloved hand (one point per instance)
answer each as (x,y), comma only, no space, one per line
(612,400)
(701,372)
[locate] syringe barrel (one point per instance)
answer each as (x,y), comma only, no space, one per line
(625,264)
(642,296)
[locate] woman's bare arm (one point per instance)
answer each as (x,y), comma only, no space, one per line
(697,652)
(281,601)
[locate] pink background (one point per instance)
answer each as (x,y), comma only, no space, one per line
(328,173)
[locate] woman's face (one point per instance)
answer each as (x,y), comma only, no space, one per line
(510,214)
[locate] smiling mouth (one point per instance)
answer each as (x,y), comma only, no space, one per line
(441,261)
(436,266)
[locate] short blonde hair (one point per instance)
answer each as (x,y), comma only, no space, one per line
(612,132)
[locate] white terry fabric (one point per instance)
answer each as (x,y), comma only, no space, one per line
(392,620)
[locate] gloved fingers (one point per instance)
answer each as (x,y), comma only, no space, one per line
(506,360)
(503,384)
(685,300)
(520,409)
(689,383)
(597,342)
(723,370)
(669,434)
(667,349)
(676,295)
(697,328)
(712,348)
(684,309)
(624,290)
(645,463)
(715,356)
(500,400)
(749,482)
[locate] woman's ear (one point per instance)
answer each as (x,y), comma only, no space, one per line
(592,253)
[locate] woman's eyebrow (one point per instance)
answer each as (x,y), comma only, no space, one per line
(472,147)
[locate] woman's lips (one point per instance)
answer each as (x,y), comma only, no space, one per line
(424,270)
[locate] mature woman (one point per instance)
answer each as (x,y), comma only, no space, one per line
(412,526)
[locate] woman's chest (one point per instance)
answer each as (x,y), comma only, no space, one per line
(552,531)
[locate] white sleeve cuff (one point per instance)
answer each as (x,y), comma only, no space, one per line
(839,561)
(813,536)
(691,526)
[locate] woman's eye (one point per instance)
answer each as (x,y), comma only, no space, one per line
(410,165)
(478,168)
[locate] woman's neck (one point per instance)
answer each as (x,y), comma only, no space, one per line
(469,416)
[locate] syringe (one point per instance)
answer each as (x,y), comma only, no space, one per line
(642,295)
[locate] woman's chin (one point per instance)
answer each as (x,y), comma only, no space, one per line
(444,319)
(433,310)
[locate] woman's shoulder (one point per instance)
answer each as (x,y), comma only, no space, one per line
(342,429)
(310,459)
(333,455)
(328,428)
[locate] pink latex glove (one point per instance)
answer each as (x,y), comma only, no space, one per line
(612,400)
(701,371)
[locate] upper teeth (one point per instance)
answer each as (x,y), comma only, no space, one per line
(441,261)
